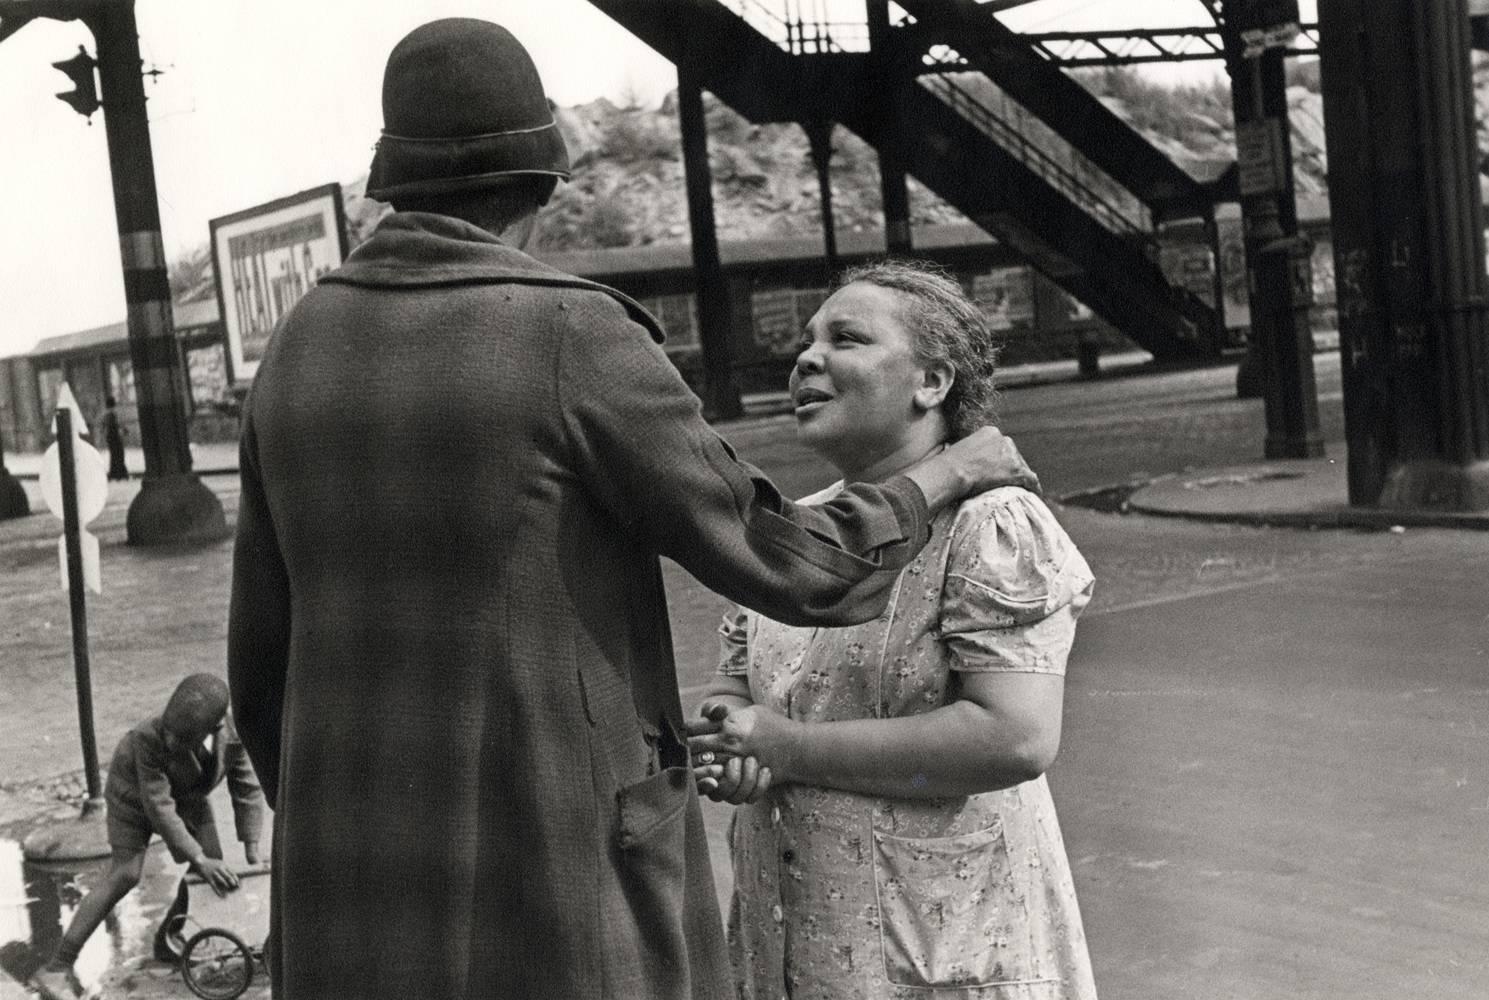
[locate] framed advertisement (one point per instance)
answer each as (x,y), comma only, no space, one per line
(265,258)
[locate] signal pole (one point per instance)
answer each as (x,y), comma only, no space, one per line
(173,505)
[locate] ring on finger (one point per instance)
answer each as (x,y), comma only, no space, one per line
(706,757)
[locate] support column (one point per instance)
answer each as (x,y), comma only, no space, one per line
(173,504)
(1408,251)
(13,501)
(1217,278)
(819,134)
(893,187)
(1279,358)
(721,400)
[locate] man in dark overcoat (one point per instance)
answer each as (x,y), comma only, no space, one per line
(448,645)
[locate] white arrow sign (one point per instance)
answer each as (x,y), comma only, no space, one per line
(91,477)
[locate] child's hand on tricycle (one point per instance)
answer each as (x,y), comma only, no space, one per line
(217,873)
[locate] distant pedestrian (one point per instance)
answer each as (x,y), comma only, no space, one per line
(113,436)
(448,642)
(159,779)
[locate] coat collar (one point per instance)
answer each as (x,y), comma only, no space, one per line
(424,250)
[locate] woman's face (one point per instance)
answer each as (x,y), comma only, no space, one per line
(855,382)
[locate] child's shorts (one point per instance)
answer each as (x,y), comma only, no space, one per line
(128,833)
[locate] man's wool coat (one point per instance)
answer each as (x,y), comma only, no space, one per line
(448,648)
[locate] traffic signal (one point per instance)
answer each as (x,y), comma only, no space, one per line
(84,96)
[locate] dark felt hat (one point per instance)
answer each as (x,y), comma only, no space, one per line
(463,108)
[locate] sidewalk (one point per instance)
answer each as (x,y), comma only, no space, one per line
(1299,493)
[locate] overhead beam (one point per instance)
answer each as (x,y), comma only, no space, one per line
(1071,49)
(999,6)
(11,23)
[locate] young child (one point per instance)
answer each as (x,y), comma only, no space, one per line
(158,783)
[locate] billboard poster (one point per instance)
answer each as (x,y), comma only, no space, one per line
(1006,297)
(265,258)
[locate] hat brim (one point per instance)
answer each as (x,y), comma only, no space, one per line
(441,166)
(452,185)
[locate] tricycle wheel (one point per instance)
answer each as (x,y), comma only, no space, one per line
(216,964)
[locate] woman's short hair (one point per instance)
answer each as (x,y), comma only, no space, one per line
(949,328)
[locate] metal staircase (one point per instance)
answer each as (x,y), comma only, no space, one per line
(1050,208)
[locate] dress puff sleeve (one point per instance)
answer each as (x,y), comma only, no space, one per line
(1015,584)
(734,644)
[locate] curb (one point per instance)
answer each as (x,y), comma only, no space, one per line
(1126,497)
(1342,517)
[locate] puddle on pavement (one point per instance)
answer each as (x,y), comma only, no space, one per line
(37,901)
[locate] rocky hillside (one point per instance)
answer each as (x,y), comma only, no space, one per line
(627,188)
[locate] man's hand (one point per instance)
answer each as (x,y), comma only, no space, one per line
(737,781)
(977,463)
(989,458)
(217,873)
(251,852)
(729,735)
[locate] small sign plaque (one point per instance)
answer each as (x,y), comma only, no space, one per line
(1259,156)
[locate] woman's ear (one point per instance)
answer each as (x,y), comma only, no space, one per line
(936,380)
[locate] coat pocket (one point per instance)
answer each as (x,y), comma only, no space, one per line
(951,913)
(651,837)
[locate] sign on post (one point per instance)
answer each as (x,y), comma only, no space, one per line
(265,258)
(90,475)
(75,485)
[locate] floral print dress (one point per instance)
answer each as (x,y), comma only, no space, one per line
(842,896)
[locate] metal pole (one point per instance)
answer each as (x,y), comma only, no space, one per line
(819,134)
(173,505)
(721,399)
(1409,252)
(1280,346)
(77,605)
(893,186)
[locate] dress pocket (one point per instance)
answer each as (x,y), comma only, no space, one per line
(951,913)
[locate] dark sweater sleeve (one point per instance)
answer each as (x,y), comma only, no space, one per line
(155,795)
(243,788)
(642,449)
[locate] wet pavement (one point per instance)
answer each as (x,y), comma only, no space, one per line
(1272,781)
(38,900)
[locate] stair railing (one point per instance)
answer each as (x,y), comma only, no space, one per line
(1013,140)
(802,34)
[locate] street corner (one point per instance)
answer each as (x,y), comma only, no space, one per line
(1298,493)
(1302,492)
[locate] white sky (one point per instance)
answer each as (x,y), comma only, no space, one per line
(263,98)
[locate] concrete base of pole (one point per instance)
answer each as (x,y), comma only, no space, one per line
(1435,485)
(174,510)
(13,502)
(81,839)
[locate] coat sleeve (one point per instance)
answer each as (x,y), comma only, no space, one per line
(642,449)
(155,795)
(243,787)
(258,622)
